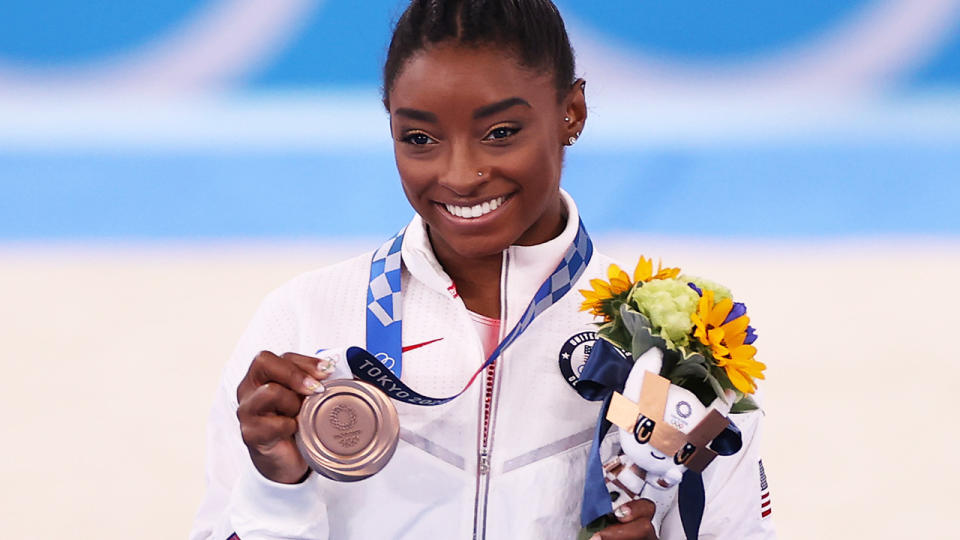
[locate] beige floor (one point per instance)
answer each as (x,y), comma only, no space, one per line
(110,356)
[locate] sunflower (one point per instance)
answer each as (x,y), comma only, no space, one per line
(725,328)
(599,299)
(644,270)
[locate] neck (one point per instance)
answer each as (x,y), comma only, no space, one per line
(477,278)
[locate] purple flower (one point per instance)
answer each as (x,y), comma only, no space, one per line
(751,336)
(694,287)
(738,310)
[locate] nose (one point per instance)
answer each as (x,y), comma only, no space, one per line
(463,175)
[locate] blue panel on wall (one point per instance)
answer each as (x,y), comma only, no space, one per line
(59,31)
(710,29)
(343,43)
(806,190)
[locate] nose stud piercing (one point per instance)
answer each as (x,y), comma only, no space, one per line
(566,118)
(479,173)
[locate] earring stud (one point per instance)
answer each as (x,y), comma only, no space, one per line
(566,118)
(572,141)
(479,173)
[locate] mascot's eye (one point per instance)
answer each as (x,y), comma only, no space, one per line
(684,454)
(643,430)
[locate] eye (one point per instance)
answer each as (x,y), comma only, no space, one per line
(418,138)
(501,133)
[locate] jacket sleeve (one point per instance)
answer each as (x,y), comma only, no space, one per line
(737,495)
(238,499)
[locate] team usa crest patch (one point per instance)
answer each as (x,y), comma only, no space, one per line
(574,354)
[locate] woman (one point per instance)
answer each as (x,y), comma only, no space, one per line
(483,103)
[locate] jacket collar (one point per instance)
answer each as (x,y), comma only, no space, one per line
(525,268)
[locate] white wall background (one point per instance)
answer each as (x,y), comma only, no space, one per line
(111,355)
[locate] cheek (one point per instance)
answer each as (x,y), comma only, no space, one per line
(415,176)
(535,166)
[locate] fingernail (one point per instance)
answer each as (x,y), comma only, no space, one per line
(596,537)
(313,385)
(325,366)
(622,512)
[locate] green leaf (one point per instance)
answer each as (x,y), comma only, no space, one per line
(642,337)
(670,360)
(632,319)
(721,375)
(642,342)
(596,526)
(694,358)
(744,404)
(616,334)
(689,370)
(717,388)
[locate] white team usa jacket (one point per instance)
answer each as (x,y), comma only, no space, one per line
(435,486)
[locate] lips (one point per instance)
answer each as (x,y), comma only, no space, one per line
(476,210)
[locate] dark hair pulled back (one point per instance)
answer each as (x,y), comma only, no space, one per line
(531,29)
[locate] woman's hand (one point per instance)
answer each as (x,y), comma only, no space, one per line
(270,396)
(634,523)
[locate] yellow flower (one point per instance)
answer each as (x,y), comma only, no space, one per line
(644,270)
(726,341)
(597,300)
(619,280)
(594,299)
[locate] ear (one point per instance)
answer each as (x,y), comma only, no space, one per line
(650,361)
(574,108)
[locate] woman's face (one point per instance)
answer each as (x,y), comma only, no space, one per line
(479,143)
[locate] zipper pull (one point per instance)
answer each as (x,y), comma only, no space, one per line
(484,462)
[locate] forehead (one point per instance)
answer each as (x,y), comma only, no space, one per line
(458,75)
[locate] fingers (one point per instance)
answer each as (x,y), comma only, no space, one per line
(301,374)
(634,510)
(634,523)
(271,398)
(263,434)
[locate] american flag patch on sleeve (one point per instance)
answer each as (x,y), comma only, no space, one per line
(765,508)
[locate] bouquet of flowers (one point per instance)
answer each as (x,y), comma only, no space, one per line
(694,318)
(693,364)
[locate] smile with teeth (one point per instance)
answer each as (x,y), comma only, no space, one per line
(477,210)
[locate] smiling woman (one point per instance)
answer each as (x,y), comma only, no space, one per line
(479,144)
(483,106)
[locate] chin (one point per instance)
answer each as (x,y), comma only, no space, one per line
(476,247)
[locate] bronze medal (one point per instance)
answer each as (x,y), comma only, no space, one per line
(349,431)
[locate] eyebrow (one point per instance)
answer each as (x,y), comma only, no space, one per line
(482,112)
(417,114)
(499,106)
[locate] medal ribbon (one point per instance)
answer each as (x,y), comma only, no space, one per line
(381,363)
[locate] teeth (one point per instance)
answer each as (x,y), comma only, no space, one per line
(476,210)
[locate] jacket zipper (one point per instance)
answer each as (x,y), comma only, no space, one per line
(488,410)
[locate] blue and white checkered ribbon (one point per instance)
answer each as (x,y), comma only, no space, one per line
(381,363)
(384,304)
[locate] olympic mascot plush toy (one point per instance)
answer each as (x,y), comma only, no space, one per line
(694,366)
(664,430)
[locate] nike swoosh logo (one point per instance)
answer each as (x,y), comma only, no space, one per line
(418,345)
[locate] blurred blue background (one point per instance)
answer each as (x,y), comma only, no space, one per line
(182,119)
